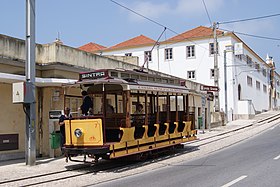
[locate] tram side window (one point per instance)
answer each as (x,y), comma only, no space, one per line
(180,105)
(137,109)
(172,103)
(135,100)
(162,103)
(180,102)
(173,108)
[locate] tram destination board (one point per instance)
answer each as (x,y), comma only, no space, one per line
(93,75)
(209,88)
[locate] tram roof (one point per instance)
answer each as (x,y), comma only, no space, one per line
(132,80)
(130,75)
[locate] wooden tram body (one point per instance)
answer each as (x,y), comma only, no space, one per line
(112,134)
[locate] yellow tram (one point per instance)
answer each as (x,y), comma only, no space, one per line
(114,128)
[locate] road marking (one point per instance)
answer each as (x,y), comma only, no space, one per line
(234,181)
(272,128)
(276,158)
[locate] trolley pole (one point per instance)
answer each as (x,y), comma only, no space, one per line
(30,107)
(216,70)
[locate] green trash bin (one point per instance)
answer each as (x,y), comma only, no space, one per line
(55,140)
(199,118)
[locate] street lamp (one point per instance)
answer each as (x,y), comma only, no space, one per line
(247,71)
(227,49)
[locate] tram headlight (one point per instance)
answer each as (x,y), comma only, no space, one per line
(78,133)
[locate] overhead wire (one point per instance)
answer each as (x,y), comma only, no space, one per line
(249,19)
(205,7)
(188,39)
(210,21)
(167,28)
(146,59)
(225,22)
(165,56)
(153,21)
(252,35)
(159,24)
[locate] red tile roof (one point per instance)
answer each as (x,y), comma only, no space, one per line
(197,32)
(136,41)
(91,47)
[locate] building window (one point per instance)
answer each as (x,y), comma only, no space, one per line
(168,54)
(148,56)
(238,57)
(264,88)
(264,72)
(191,74)
(128,54)
(257,67)
(258,85)
(249,81)
(249,61)
(212,73)
(211,49)
(190,51)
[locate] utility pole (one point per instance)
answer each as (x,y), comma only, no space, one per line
(229,48)
(216,70)
(30,106)
(225,81)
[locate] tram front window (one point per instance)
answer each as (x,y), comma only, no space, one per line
(114,104)
(97,103)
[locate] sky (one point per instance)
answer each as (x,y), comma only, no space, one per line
(77,22)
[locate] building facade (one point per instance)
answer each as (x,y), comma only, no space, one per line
(190,55)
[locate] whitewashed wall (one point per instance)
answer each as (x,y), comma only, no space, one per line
(237,71)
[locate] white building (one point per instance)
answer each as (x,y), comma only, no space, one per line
(190,55)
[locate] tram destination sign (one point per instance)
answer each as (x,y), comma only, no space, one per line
(93,75)
(209,88)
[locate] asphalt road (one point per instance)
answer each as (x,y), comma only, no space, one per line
(253,162)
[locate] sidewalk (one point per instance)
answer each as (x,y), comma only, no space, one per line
(15,169)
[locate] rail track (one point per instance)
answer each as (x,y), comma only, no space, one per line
(119,165)
(70,172)
(224,135)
